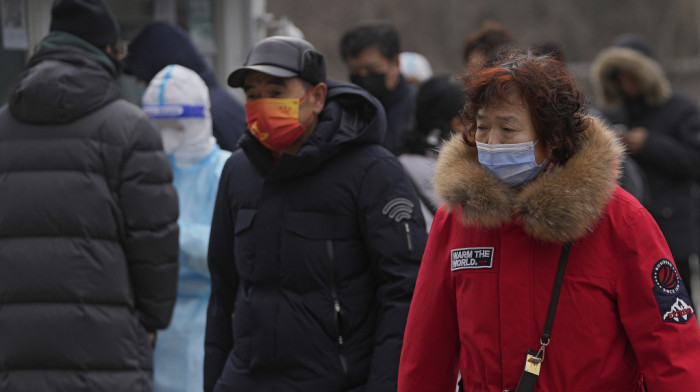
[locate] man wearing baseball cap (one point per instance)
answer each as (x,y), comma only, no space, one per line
(316,237)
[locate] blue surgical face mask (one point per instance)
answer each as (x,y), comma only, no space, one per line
(514,164)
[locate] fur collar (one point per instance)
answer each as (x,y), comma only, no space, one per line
(562,204)
(655,86)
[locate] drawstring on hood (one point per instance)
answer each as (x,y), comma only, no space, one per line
(177,99)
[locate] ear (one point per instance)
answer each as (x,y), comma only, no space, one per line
(319,94)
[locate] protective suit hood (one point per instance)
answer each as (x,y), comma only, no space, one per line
(177,99)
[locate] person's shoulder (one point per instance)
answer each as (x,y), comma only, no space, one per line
(677,106)
(122,107)
(623,207)
(233,161)
(126,123)
(370,154)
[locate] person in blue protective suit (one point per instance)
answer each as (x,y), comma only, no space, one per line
(177,101)
(160,44)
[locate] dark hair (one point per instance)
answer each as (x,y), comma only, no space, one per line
(490,36)
(551,48)
(439,100)
(382,35)
(554,102)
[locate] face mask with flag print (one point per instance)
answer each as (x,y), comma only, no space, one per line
(275,121)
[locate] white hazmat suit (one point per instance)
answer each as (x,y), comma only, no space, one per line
(177,100)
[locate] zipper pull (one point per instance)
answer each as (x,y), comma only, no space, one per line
(409,241)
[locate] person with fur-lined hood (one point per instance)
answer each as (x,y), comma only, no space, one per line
(661,130)
(530,193)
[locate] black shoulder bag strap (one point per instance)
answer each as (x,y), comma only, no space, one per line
(534,359)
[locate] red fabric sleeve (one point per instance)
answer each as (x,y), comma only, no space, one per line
(668,350)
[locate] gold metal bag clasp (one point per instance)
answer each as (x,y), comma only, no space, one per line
(533,364)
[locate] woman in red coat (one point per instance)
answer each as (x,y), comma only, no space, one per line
(531,173)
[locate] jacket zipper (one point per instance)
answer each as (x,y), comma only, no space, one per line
(336,305)
(409,241)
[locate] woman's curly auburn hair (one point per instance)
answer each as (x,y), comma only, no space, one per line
(554,102)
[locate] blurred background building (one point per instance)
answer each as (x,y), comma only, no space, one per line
(224,30)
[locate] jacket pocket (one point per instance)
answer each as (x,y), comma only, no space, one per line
(244,250)
(337,309)
(320,251)
(321,226)
(304,258)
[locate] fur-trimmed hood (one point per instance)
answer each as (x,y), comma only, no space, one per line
(562,204)
(656,88)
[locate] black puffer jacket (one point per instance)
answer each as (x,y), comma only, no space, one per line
(316,257)
(88,232)
(670,158)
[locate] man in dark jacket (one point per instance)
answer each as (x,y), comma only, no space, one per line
(661,129)
(316,238)
(161,44)
(88,232)
(371,52)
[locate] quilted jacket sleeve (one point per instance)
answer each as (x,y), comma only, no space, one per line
(394,234)
(150,211)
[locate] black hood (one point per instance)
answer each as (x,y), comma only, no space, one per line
(350,117)
(161,44)
(61,85)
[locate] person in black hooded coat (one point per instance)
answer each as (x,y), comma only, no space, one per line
(661,129)
(161,44)
(314,250)
(88,219)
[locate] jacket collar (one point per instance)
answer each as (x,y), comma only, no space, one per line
(57,39)
(656,89)
(562,204)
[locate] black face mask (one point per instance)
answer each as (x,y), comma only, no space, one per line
(374,83)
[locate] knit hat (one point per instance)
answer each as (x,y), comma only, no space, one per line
(90,20)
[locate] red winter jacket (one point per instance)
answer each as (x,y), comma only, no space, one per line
(487,274)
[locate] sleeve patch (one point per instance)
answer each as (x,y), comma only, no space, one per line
(670,293)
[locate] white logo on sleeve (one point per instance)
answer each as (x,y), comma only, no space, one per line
(471,258)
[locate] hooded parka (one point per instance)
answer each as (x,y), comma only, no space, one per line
(313,259)
(670,158)
(486,280)
(88,232)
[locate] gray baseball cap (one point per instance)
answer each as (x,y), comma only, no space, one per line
(284,57)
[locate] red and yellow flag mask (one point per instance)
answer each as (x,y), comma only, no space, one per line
(275,121)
